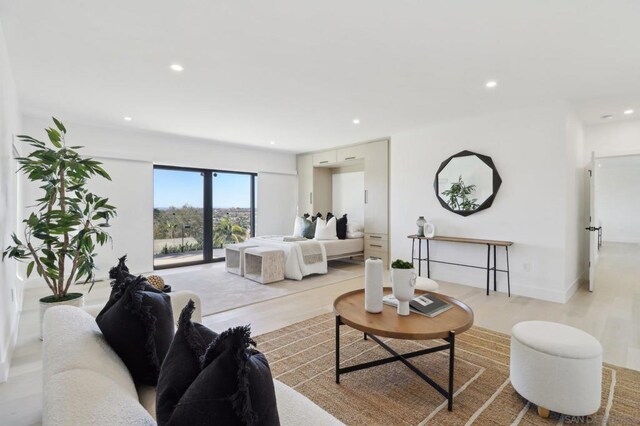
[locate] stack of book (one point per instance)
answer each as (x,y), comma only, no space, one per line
(424,304)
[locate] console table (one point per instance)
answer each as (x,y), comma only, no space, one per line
(489,243)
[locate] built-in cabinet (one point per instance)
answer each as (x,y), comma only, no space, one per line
(315,188)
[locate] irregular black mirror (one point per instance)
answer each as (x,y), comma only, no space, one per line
(467,182)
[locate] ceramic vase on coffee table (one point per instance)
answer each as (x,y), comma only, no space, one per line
(403,283)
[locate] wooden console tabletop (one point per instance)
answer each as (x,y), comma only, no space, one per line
(489,243)
(465,240)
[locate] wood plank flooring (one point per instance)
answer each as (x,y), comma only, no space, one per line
(611,313)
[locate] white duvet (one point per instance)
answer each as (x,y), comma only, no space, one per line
(294,266)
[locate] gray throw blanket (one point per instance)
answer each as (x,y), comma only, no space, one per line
(293,239)
(311,252)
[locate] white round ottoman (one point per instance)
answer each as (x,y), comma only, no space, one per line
(427,284)
(556,367)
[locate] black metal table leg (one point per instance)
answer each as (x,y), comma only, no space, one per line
(420,256)
(495,270)
(338,349)
(365,336)
(508,277)
(452,343)
(413,251)
(428,266)
(488,266)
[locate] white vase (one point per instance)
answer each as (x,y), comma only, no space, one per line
(373,283)
(403,282)
(77,302)
(429,230)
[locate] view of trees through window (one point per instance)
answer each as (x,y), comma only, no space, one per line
(179,216)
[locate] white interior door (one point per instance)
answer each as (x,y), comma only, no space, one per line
(593,233)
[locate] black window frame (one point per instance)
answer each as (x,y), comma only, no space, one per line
(207,203)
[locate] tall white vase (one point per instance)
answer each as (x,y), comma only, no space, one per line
(403,282)
(373,271)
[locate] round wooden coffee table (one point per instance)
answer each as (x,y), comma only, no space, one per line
(349,310)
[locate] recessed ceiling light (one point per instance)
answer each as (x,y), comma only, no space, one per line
(607,117)
(491,84)
(127,119)
(272,142)
(628,111)
(177,67)
(356,121)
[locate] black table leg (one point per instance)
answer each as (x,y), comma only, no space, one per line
(508,277)
(495,270)
(338,349)
(452,343)
(420,256)
(365,336)
(488,266)
(413,252)
(428,266)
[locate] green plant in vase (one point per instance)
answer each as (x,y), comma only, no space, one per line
(68,222)
(458,196)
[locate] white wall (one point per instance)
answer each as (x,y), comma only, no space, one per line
(10,288)
(618,200)
(348,188)
(276,203)
(529,149)
(129,156)
(611,139)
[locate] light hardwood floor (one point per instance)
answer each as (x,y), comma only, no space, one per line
(611,313)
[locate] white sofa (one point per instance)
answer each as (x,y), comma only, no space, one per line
(86,383)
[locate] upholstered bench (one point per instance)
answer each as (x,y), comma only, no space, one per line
(264,264)
(234,257)
(556,367)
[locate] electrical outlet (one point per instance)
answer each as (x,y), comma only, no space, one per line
(526,267)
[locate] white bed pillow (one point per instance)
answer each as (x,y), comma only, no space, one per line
(326,230)
(353,227)
(354,235)
(298,227)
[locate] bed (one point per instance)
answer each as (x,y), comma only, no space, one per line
(295,268)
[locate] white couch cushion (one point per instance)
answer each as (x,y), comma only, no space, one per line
(72,340)
(84,397)
(147,397)
(557,339)
(296,409)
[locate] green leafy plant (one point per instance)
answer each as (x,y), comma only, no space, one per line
(458,196)
(60,238)
(401,264)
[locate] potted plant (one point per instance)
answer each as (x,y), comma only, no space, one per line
(68,221)
(403,282)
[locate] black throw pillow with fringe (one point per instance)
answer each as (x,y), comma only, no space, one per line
(208,378)
(341,227)
(137,322)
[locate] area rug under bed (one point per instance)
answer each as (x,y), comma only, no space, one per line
(303,356)
(221,291)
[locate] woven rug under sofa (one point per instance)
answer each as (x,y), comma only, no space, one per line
(303,356)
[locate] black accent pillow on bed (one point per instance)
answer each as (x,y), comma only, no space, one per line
(208,378)
(309,230)
(137,322)
(341,227)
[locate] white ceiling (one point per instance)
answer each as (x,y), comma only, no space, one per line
(298,72)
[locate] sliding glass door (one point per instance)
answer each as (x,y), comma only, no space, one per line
(233,206)
(197,211)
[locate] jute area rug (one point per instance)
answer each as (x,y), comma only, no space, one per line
(303,356)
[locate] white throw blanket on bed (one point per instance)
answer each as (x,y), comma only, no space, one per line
(295,265)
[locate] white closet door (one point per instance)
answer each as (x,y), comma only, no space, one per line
(376,196)
(276,204)
(305,184)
